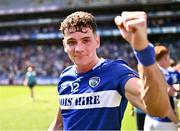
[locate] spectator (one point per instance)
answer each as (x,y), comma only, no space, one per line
(30,79)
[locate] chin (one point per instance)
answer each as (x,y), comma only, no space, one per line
(81,63)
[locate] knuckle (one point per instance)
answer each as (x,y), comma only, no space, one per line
(144,14)
(124,13)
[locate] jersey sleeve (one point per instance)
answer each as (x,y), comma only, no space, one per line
(123,73)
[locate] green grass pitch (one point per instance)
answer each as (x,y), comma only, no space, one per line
(19,112)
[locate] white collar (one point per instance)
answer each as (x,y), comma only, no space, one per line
(100,61)
(163,70)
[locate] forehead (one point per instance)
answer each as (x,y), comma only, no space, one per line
(73,33)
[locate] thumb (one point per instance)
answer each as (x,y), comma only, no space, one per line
(119,21)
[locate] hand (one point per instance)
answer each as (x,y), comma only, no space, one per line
(133,28)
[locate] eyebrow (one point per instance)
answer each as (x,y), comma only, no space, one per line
(72,39)
(86,37)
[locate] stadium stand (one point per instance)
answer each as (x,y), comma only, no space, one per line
(29,33)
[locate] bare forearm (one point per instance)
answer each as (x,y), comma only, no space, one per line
(57,124)
(172,116)
(154,91)
(133,27)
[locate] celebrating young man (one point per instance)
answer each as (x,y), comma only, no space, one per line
(93,92)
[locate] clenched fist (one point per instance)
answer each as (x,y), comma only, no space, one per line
(133,28)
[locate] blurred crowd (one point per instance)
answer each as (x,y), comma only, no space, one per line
(33,30)
(50,60)
(64,3)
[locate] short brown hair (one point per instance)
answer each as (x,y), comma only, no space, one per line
(78,20)
(161,51)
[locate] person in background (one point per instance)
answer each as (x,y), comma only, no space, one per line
(157,123)
(93,92)
(174,74)
(11,78)
(140,118)
(30,79)
(139,114)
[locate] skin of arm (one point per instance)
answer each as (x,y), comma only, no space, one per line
(57,123)
(151,95)
(133,94)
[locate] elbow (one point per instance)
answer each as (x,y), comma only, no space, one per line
(55,127)
(158,112)
(157,109)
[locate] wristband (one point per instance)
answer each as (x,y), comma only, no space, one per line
(146,56)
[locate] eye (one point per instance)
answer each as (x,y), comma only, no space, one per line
(85,41)
(71,43)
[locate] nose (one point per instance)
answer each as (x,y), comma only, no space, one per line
(79,48)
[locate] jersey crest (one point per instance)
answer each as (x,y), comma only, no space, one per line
(94,81)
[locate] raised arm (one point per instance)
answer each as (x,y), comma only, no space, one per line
(57,123)
(151,94)
(154,91)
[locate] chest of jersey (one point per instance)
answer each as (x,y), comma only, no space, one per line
(94,100)
(89,91)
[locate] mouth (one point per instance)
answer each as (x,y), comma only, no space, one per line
(80,56)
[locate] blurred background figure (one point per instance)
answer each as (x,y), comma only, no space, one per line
(156,123)
(140,118)
(11,78)
(175,74)
(30,79)
(138,113)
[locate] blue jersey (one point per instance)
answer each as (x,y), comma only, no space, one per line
(175,75)
(31,77)
(94,100)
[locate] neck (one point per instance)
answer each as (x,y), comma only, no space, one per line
(88,67)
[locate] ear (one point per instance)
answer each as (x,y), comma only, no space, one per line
(65,50)
(98,40)
(64,45)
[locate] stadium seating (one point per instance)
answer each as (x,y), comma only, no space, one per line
(29,33)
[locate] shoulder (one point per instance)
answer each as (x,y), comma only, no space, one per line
(174,75)
(119,69)
(119,61)
(27,74)
(173,71)
(67,73)
(68,70)
(118,64)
